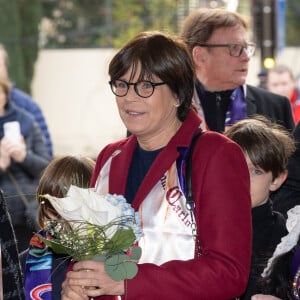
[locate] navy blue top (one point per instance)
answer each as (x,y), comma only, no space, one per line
(140,164)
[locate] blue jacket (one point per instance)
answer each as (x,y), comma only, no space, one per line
(24,101)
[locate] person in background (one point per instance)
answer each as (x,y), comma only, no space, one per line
(56,180)
(280,80)
(23,100)
(262,77)
(21,163)
(267,148)
(12,281)
(217,40)
(154,91)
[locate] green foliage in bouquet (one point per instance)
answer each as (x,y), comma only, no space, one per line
(111,243)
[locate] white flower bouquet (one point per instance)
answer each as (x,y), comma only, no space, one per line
(98,227)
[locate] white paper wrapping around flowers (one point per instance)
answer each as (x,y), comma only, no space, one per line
(288,241)
(87,205)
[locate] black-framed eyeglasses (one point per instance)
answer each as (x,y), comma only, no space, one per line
(235,50)
(143,88)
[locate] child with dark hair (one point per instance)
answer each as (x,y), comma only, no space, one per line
(281,277)
(267,148)
(44,270)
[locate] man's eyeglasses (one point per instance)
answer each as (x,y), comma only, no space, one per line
(144,88)
(235,50)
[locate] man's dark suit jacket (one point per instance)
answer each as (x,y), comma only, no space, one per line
(258,101)
(276,107)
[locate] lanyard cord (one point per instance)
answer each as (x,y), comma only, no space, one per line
(190,203)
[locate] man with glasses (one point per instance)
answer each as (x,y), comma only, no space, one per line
(217,40)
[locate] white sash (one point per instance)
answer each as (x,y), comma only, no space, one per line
(166,223)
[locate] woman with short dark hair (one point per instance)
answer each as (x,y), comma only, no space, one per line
(152,78)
